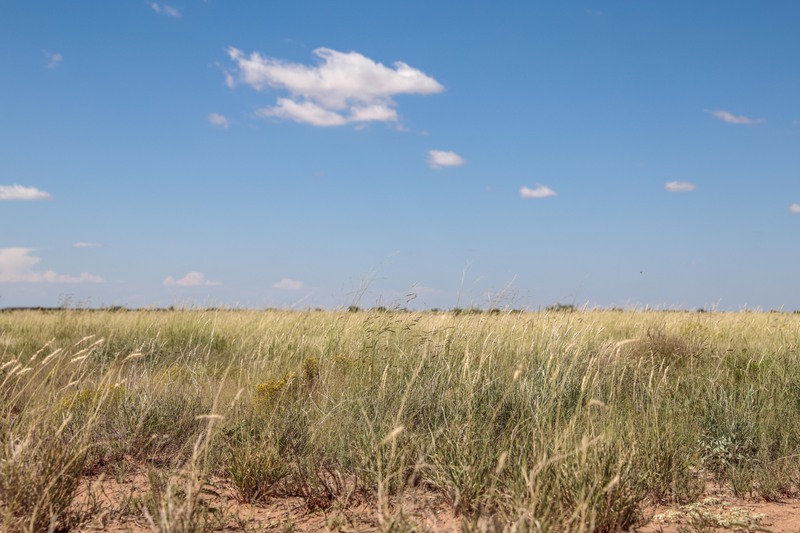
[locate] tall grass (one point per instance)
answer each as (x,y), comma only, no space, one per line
(535,421)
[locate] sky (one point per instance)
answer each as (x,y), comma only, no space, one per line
(418,154)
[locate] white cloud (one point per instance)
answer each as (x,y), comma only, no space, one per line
(540,191)
(288,284)
(219,120)
(17,266)
(441,159)
(307,112)
(679,186)
(373,113)
(164,9)
(192,279)
(18,192)
(84,277)
(82,244)
(794,209)
(730,118)
(343,88)
(53,60)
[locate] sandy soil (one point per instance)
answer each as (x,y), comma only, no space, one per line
(720,510)
(115,505)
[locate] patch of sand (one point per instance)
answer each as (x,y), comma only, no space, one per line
(116,505)
(720,510)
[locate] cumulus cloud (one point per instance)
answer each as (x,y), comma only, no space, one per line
(540,191)
(192,279)
(219,120)
(442,159)
(374,113)
(794,209)
(679,186)
(307,112)
(17,266)
(288,284)
(342,88)
(53,60)
(18,192)
(82,244)
(730,118)
(164,9)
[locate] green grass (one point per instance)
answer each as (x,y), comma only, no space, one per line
(549,421)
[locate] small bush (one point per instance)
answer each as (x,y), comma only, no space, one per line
(561,308)
(269,392)
(310,369)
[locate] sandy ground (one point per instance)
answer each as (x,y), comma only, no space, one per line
(720,510)
(115,505)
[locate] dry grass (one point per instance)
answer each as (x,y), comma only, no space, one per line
(529,421)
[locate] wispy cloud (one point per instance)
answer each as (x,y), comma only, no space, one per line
(679,186)
(82,244)
(192,279)
(442,159)
(164,9)
(540,191)
(794,209)
(219,120)
(17,266)
(342,88)
(52,60)
(19,192)
(730,118)
(288,284)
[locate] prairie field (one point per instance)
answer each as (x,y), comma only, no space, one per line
(206,420)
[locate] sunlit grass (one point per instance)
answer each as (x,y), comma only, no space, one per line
(544,421)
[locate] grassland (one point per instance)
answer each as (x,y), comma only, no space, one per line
(552,421)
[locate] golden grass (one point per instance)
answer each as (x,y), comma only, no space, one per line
(554,421)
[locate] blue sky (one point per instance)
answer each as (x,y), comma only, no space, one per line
(311,154)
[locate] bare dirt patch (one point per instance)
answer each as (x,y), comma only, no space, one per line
(116,505)
(720,510)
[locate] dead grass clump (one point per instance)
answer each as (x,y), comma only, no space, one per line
(661,347)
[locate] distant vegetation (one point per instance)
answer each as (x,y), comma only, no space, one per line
(562,420)
(562,308)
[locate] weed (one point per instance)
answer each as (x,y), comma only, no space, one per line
(310,369)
